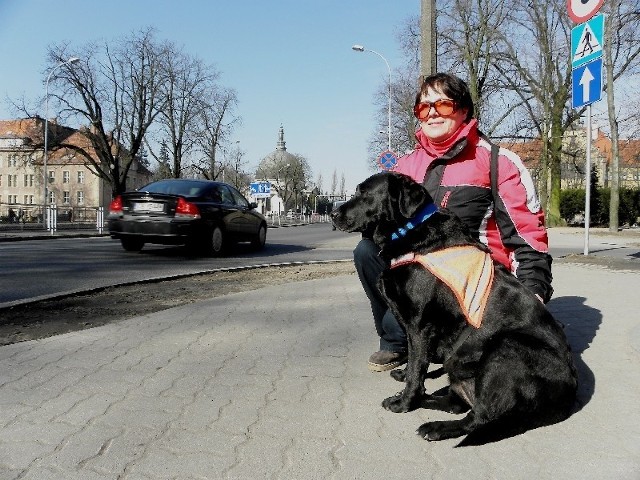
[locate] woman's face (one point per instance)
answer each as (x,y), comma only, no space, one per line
(436,127)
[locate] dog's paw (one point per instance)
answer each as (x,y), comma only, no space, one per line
(434,431)
(398,374)
(429,431)
(396,404)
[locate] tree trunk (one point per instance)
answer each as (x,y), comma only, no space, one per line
(614,201)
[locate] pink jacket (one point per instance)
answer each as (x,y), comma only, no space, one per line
(512,226)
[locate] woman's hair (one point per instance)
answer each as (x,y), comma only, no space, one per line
(453,87)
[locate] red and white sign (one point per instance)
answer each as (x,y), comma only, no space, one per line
(582,10)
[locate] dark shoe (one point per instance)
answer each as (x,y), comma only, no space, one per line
(384,360)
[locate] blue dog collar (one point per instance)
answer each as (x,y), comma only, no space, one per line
(422,216)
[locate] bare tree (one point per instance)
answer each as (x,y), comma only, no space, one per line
(319,183)
(467,44)
(234,170)
(117,92)
(621,50)
(187,81)
(541,77)
(217,121)
(334,183)
(468,34)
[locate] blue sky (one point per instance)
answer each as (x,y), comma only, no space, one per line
(290,62)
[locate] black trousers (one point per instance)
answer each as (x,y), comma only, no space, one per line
(369,266)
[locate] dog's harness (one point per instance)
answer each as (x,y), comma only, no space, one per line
(466,270)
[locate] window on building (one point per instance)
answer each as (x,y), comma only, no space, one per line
(28,200)
(52,197)
(28,180)
(80,197)
(12,180)
(80,177)
(52,176)
(13,160)
(13,199)
(66,198)
(66,176)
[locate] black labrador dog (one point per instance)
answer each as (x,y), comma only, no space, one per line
(507,359)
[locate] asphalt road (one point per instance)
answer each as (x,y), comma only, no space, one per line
(36,269)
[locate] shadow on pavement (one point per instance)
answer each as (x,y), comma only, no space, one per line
(581,325)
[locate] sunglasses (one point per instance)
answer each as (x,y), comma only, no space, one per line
(444,107)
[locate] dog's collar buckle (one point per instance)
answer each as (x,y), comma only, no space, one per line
(422,216)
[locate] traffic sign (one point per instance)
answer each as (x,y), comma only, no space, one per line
(260,189)
(587,41)
(586,84)
(583,10)
(387,160)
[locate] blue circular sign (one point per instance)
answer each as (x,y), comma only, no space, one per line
(387,160)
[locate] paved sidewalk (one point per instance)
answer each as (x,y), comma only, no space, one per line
(274,384)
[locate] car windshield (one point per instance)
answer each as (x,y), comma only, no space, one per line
(176,187)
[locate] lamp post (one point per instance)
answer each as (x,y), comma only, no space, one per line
(46,133)
(360,48)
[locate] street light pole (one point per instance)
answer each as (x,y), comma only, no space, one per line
(46,134)
(360,48)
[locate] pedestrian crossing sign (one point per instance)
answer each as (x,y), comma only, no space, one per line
(587,41)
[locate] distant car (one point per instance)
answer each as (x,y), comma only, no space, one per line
(204,215)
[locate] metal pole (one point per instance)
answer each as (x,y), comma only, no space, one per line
(389,99)
(428,41)
(46,135)
(587,176)
(360,48)
(46,151)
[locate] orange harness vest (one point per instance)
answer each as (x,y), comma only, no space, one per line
(466,270)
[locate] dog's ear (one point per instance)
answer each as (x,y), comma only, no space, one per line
(412,196)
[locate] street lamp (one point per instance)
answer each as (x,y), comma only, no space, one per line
(46,131)
(360,48)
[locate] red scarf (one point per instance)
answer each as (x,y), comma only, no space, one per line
(440,148)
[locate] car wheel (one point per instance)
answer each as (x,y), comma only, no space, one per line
(217,242)
(132,244)
(258,242)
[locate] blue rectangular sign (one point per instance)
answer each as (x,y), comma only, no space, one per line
(586,84)
(260,189)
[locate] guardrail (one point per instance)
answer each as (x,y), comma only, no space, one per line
(29,217)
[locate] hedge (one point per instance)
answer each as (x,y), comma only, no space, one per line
(572,202)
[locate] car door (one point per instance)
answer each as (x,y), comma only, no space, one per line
(233,215)
(250,221)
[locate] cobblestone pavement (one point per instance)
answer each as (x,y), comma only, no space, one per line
(273,384)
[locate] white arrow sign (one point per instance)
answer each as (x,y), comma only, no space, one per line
(585,82)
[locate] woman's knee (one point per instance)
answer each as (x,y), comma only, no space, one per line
(365,251)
